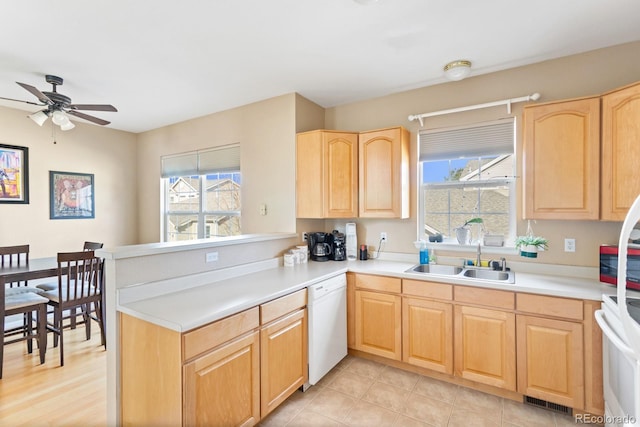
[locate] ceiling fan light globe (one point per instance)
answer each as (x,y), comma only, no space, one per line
(40,117)
(457,70)
(59,118)
(67,126)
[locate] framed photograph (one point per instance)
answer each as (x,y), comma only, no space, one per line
(71,195)
(14,174)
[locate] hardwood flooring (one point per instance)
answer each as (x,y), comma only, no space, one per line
(50,395)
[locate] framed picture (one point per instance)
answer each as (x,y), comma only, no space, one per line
(71,195)
(14,174)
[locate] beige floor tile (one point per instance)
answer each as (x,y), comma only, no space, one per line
(436,389)
(404,421)
(461,417)
(482,403)
(331,403)
(289,408)
(329,377)
(365,367)
(519,414)
(368,415)
(346,361)
(427,410)
(565,420)
(351,384)
(311,419)
(399,378)
(387,396)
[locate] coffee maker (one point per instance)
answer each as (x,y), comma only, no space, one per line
(339,246)
(320,246)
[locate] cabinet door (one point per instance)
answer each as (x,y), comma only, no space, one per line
(351,310)
(620,152)
(427,334)
(485,346)
(550,360)
(283,345)
(561,160)
(378,324)
(384,173)
(326,174)
(222,388)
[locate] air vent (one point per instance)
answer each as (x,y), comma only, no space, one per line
(561,409)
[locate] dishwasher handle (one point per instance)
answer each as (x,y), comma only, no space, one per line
(613,337)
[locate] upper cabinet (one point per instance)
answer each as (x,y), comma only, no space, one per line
(581,157)
(330,164)
(327,174)
(620,151)
(384,173)
(562,159)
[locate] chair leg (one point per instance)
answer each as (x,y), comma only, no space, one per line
(28,330)
(86,311)
(57,326)
(42,331)
(100,312)
(61,329)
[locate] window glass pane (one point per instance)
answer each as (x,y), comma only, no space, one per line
(222,192)
(222,225)
(182,227)
(184,194)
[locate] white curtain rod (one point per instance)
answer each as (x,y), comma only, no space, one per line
(506,102)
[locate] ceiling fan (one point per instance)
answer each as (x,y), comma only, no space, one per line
(58,104)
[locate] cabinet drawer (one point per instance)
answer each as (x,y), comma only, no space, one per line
(279,307)
(487,297)
(216,333)
(379,283)
(427,289)
(550,306)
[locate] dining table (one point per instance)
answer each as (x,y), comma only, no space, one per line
(36,268)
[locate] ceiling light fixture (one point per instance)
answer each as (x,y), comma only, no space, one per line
(457,70)
(58,117)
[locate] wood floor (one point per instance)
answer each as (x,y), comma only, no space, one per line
(50,395)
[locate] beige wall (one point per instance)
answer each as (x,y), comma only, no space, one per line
(266,133)
(587,74)
(108,154)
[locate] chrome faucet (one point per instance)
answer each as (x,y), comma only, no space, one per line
(478,256)
(503,261)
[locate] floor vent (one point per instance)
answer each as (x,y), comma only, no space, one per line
(548,405)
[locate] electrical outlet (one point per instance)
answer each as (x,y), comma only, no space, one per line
(305,237)
(383,236)
(211,257)
(569,245)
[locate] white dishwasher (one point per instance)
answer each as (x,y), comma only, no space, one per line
(327,304)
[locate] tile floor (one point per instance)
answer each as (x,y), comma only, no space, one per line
(360,392)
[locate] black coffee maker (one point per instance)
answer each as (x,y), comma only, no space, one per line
(320,246)
(339,246)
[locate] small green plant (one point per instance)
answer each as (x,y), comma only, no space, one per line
(474,221)
(537,241)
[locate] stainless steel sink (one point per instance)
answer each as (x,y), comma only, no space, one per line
(447,270)
(500,276)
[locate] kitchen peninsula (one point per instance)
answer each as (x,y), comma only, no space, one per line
(182,300)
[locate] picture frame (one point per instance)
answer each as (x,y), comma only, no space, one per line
(71,195)
(14,174)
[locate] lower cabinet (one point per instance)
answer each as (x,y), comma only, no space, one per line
(223,387)
(231,372)
(485,346)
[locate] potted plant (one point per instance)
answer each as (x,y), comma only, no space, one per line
(529,245)
(463,234)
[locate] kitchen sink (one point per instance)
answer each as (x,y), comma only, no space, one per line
(447,270)
(501,276)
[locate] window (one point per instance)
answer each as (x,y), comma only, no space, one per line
(202,194)
(467,172)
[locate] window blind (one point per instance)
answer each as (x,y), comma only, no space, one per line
(481,139)
(202,162)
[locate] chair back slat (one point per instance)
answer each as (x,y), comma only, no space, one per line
(79,277)
(14,256)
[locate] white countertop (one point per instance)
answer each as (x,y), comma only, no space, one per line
(183,308)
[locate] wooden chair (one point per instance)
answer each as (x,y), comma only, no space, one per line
(79,286)
(25,303)
(16,256)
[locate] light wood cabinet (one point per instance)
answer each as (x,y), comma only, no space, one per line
(351,310)
(283,359)
(427,334)
(620,151)
(378,319)
(562,160)
(327,174)
(384,173)
(551,360)
(485,346)
(222,388)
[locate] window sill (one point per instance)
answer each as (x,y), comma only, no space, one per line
(455,247)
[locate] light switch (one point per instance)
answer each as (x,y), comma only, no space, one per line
(263,209)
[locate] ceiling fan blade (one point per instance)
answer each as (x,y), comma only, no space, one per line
(93,107)
(88,117)
(41,96)
(20,100)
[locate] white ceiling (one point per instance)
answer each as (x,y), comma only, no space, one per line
(165,61)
